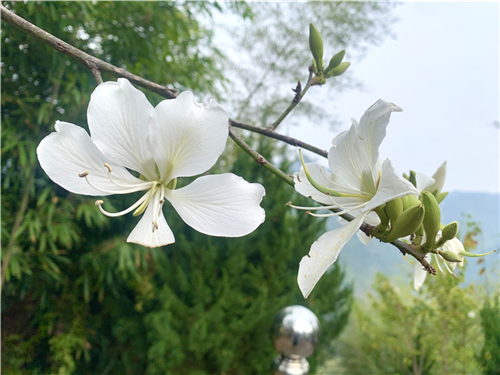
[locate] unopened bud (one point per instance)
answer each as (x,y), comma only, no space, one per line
(338,70)
(384,219)
(450,231)
(407,223)
(409,201)
(335,61)
(450,256)
(394,208)
(316,45)
(432,219)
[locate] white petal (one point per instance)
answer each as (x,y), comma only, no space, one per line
(354,157)
(373,124)
(423,181)
(391,186)
(324,253)
(439,178)
(419,273)
(186,138)
(143,233)
(118,116)
(220,205)
(372,219)
(69,151)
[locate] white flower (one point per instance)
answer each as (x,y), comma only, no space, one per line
(358,183)
(178,138)
(455,246)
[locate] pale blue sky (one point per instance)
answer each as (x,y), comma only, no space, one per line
(443,70)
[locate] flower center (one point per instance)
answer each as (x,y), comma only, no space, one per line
(155,195)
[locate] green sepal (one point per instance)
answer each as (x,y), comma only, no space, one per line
(335,61)
(317,186)
(316,45)
(384,219)
(440,196)
(472,255)
(338,70)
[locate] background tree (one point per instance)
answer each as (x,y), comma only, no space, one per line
(434,331)
(76,297)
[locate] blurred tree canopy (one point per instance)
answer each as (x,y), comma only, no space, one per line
(435,331)
(78,299)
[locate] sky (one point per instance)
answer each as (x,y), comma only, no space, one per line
(442,68)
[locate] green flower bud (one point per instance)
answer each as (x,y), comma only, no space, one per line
(409,201)
(440,196)
(413,178)
(450,256)
(316,45)
(406,176)
(335,61)
(407,223)
(432,219)
(394,208)
(338,70)
(450,231)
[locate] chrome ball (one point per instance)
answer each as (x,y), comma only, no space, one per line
(296,331)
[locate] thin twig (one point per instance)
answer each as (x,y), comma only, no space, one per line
(89,61)
(293,104)
(97,75)
(259,158)
(272,134)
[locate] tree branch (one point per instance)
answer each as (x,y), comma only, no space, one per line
(259,158)
(89,61)
(268,132)
(96,65)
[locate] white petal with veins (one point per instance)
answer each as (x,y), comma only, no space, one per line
(69,151)
(324,253)
(222,205)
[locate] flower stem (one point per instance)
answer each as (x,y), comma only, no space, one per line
(259,158)
(298,97)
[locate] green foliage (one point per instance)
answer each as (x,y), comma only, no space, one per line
(490,322)
(78,299)
(435,331)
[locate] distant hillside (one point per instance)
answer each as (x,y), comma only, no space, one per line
(363,262)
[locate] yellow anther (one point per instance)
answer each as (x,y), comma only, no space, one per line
(109,167)
(99,202)
(84,174)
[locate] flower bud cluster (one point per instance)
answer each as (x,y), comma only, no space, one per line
(335,67)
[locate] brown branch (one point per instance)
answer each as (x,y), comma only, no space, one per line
(272,134)
(96,65)
(89,61)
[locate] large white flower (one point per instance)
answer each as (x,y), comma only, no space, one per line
(358,182)
(178,138)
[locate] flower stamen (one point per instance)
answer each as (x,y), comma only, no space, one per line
(121,213)
(133,189)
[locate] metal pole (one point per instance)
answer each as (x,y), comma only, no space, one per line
(295,332)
